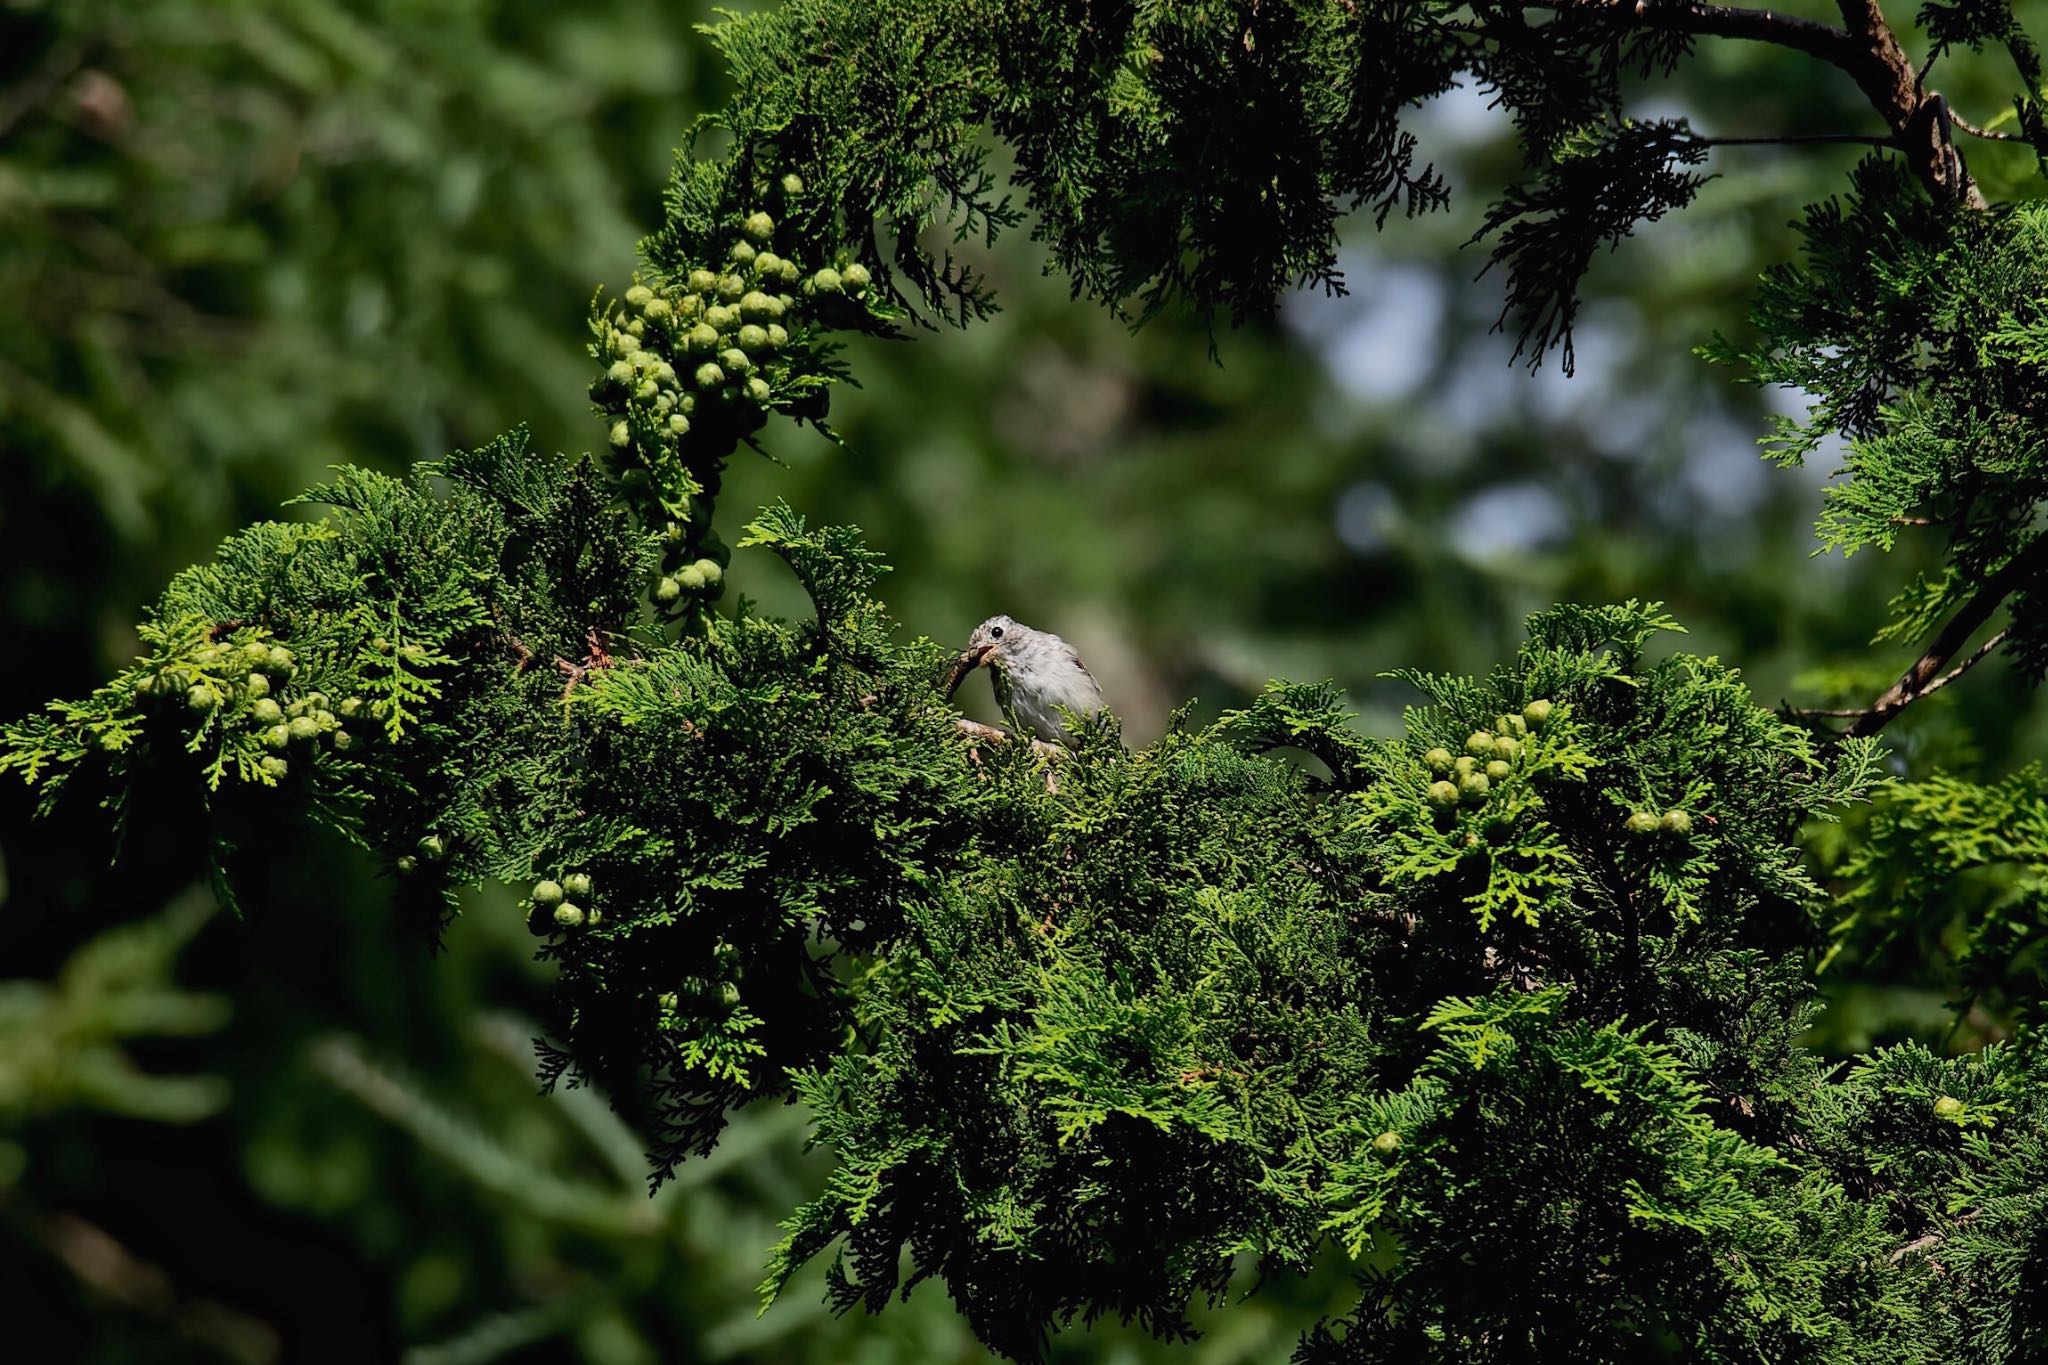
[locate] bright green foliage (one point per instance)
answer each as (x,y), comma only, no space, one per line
(1618,1174)
(1094,1083)
(1510,1005)
(1917,332)
(1076,1081)
(1148,146)
(1953,871)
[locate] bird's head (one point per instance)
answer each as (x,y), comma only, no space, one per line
(983,647)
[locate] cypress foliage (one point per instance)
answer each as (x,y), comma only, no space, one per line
(1507,1009)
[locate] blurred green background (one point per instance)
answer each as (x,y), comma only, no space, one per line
(242,241)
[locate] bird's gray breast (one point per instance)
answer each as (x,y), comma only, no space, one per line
(1040,676)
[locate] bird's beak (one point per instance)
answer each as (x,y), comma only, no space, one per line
(969,660)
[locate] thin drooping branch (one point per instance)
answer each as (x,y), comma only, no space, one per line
(1982,651)
(1974,131)
(1816,39)
(1977,656)
(1864,48)
(1800,139)
(1925,675)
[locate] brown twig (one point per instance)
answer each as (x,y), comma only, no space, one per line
(1926,673)
(992,734)
(1974,131)
(1863,713)
(595,656)
(1864,48)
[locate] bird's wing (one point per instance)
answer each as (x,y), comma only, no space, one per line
(1091,688)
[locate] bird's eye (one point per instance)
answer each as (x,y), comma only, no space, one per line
(997,632)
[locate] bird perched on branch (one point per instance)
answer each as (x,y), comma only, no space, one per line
(1035,673)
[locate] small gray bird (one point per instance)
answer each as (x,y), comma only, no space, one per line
(1034,673)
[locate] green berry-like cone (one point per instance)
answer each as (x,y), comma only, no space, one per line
(827,281)
(667,591)
(1642,822)
(708,376)
(257,685)
(1507,747)
(578,884)
(266,712)
(1387,1145)
(303,728)
(569,915)
(759,226)
(1439,760)
(1443,795)
(1676,822)
(1479,744)
(855,276)
(1948,1107)
(275,768)
(1536,712)
(407,865)
(548,893)
(433,848)
(1474,786)
(201,699)
(277,736)
(1464,764)
(1498,769)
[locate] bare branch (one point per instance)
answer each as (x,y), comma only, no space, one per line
(1974,131)
(1966,665)
(1864,48)
(1926,673)
(1795,139)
